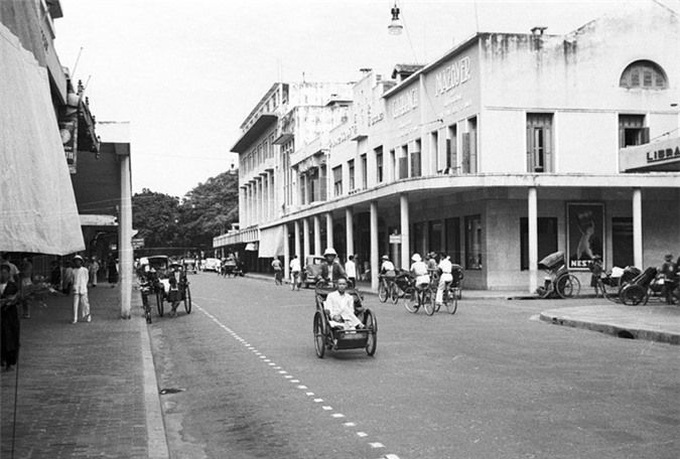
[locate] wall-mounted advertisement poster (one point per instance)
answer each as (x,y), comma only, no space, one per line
(585,233)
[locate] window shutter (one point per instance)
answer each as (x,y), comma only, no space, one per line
(473,152)
(644,135)
(548,148)
(466,152)
(530,147)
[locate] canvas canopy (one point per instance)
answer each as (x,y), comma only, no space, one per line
(38,210)
(271,242)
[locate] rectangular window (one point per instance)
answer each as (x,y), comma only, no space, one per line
(393,164)
(632,130)
(439,161)
(547,239)
(452,150)
(323,183)
(452,239)
(337,181)
(622,241)
(403,162)
(539,142)
(435,233)
(469,142)
(364,171)
(350,165)
(302,178)
(416,163)
(379,164)
(473,242)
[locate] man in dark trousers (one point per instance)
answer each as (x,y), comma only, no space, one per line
(9,325)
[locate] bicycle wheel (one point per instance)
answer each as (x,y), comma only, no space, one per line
(609,294)
(159,303)
(382,291)
(394,293)
(568,286)
(633,294)
(187,300)
(319,335)
(451,300)
(371,324)
(428,302)
(410,301)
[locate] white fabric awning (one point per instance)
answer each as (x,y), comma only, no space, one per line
(271,242)
(38,210)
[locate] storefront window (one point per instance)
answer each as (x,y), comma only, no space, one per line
(547,239)
(473,242)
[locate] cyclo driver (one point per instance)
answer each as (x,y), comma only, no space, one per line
(331,270)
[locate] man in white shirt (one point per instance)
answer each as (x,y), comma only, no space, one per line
(80,279)
(295,273)
(445,266)
(340,306)
(351,270)
(419,270)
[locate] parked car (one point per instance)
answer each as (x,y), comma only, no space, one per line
(212,264)
(312,270)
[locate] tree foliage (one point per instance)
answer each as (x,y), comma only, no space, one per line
(207,210)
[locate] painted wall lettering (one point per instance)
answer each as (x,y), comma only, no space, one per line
(452,75)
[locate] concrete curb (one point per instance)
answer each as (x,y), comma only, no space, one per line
(157,444)
(554,318)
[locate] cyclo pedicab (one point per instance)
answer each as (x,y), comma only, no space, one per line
(167,289)
(560,283)
(329,335)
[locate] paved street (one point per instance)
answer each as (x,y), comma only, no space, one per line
(488,382)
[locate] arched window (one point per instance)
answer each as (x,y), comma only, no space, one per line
(644,75)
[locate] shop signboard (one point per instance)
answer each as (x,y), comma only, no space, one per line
(69,134)
(395,238)
(585,234)
(663,155)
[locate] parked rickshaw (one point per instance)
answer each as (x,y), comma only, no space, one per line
(559,283)
(329,337)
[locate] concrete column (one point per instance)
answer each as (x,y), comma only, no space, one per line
(125,237)
(297,239)
(375,259)
(329,230)
(265,197)
(305,240)
(637,228)
(286,253)
(405,235)
(272,197)
(317,234)
(349,230)
(532,214)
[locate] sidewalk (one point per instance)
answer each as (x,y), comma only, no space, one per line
(85,389)
(652,323)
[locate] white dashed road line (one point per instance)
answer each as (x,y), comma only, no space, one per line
(263,358)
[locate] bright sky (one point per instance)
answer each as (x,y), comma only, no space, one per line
(186,73)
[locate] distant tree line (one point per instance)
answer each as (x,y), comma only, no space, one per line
(191,222)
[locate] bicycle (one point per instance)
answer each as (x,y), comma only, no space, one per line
(386,289)
(450,298)
(416,296)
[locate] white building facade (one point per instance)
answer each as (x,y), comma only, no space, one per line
(507,148)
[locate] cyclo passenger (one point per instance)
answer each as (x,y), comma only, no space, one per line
(340,307)
(419,271)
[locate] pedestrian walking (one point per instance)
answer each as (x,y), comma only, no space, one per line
(112,270)
(67,278)
(93,269)
(295,270)
(667,271)
(80,279)
(9,319)
(26,281)
(278,271)
(351,271)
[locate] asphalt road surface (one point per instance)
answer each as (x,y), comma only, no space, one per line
(490,381)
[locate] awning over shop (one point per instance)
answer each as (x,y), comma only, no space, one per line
(271,242)
(38,210)
(661,156)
